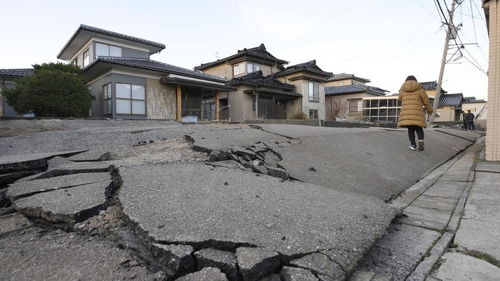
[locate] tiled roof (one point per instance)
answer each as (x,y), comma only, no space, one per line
(152,65)
(121,35)
(259,52)
(343,76)
(473,100)
(352,89)
(91,29)
(258,79)
(309,66)
(431,85)
(451,100)
(16,72)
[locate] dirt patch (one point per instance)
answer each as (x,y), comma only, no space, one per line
(161,152)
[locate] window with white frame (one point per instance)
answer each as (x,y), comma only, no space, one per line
(313,89)
(252,67)
(238,69)
(313,114)
(104,50)
(86,58)
(108,100)
(354,105)
(130,99)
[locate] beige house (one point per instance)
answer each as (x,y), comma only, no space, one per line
(266,89)
(477,106)
(492,11)
(344,94)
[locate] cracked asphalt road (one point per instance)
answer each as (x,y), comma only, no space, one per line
(164,192)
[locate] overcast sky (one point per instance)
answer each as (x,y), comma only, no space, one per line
(382,40)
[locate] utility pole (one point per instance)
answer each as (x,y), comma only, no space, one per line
(449,34)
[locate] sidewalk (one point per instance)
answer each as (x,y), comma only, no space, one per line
(475,252)
(439,236)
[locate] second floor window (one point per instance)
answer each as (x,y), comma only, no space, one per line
(103,50)
(86,58)
(238,69)
(313,89)
(251,67)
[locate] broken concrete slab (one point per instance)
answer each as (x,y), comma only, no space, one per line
(446,189)
(13,222)
(228,164)
(492,167)
(225,261)
(91,155)
(399,252)
(28,188)
(256,263)
(460,267)
(321,265)
(232,208)
(176,257)
(66,205)
(206,274)
(427,218)
(296,274)
(36,254)
(12,177)
(20,162)
(217,139)
(433,202)
(477,237)
(75,168)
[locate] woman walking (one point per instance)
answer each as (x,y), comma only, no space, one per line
(413,100)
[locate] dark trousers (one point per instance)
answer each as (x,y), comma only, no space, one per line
(470,125)
(411,134)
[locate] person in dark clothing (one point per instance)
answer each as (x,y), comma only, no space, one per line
(412,116)
(469,119)
(464,119)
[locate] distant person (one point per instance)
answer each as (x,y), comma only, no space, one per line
(469,119)
(413,100)
(464,119)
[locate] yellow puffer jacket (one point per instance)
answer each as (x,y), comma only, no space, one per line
(413,99)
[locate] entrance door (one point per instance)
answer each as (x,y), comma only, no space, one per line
(208,109)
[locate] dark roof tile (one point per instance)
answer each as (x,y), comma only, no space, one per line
(16,72)
(152,65)
(259,80)
(259,52)
(451,100)
(343,76)
(352,89)
(309,66)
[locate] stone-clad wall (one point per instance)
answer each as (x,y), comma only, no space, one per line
(160,100)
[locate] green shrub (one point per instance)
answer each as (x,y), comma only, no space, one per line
(54,90)
(299,116)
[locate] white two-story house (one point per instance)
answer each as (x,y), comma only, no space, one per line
(127,84)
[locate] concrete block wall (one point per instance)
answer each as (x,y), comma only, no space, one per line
(493,122)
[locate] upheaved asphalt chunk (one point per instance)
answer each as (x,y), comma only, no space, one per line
(27,188)
(176,257)
(75,168)
(296,274)
(13,222)
(204,206)
(21,162)
(206,274)
(256,263)
(91,155)
(321,264)
(225,261)
(36,254)
(66,205)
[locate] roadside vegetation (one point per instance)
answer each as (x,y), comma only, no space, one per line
(54,90)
